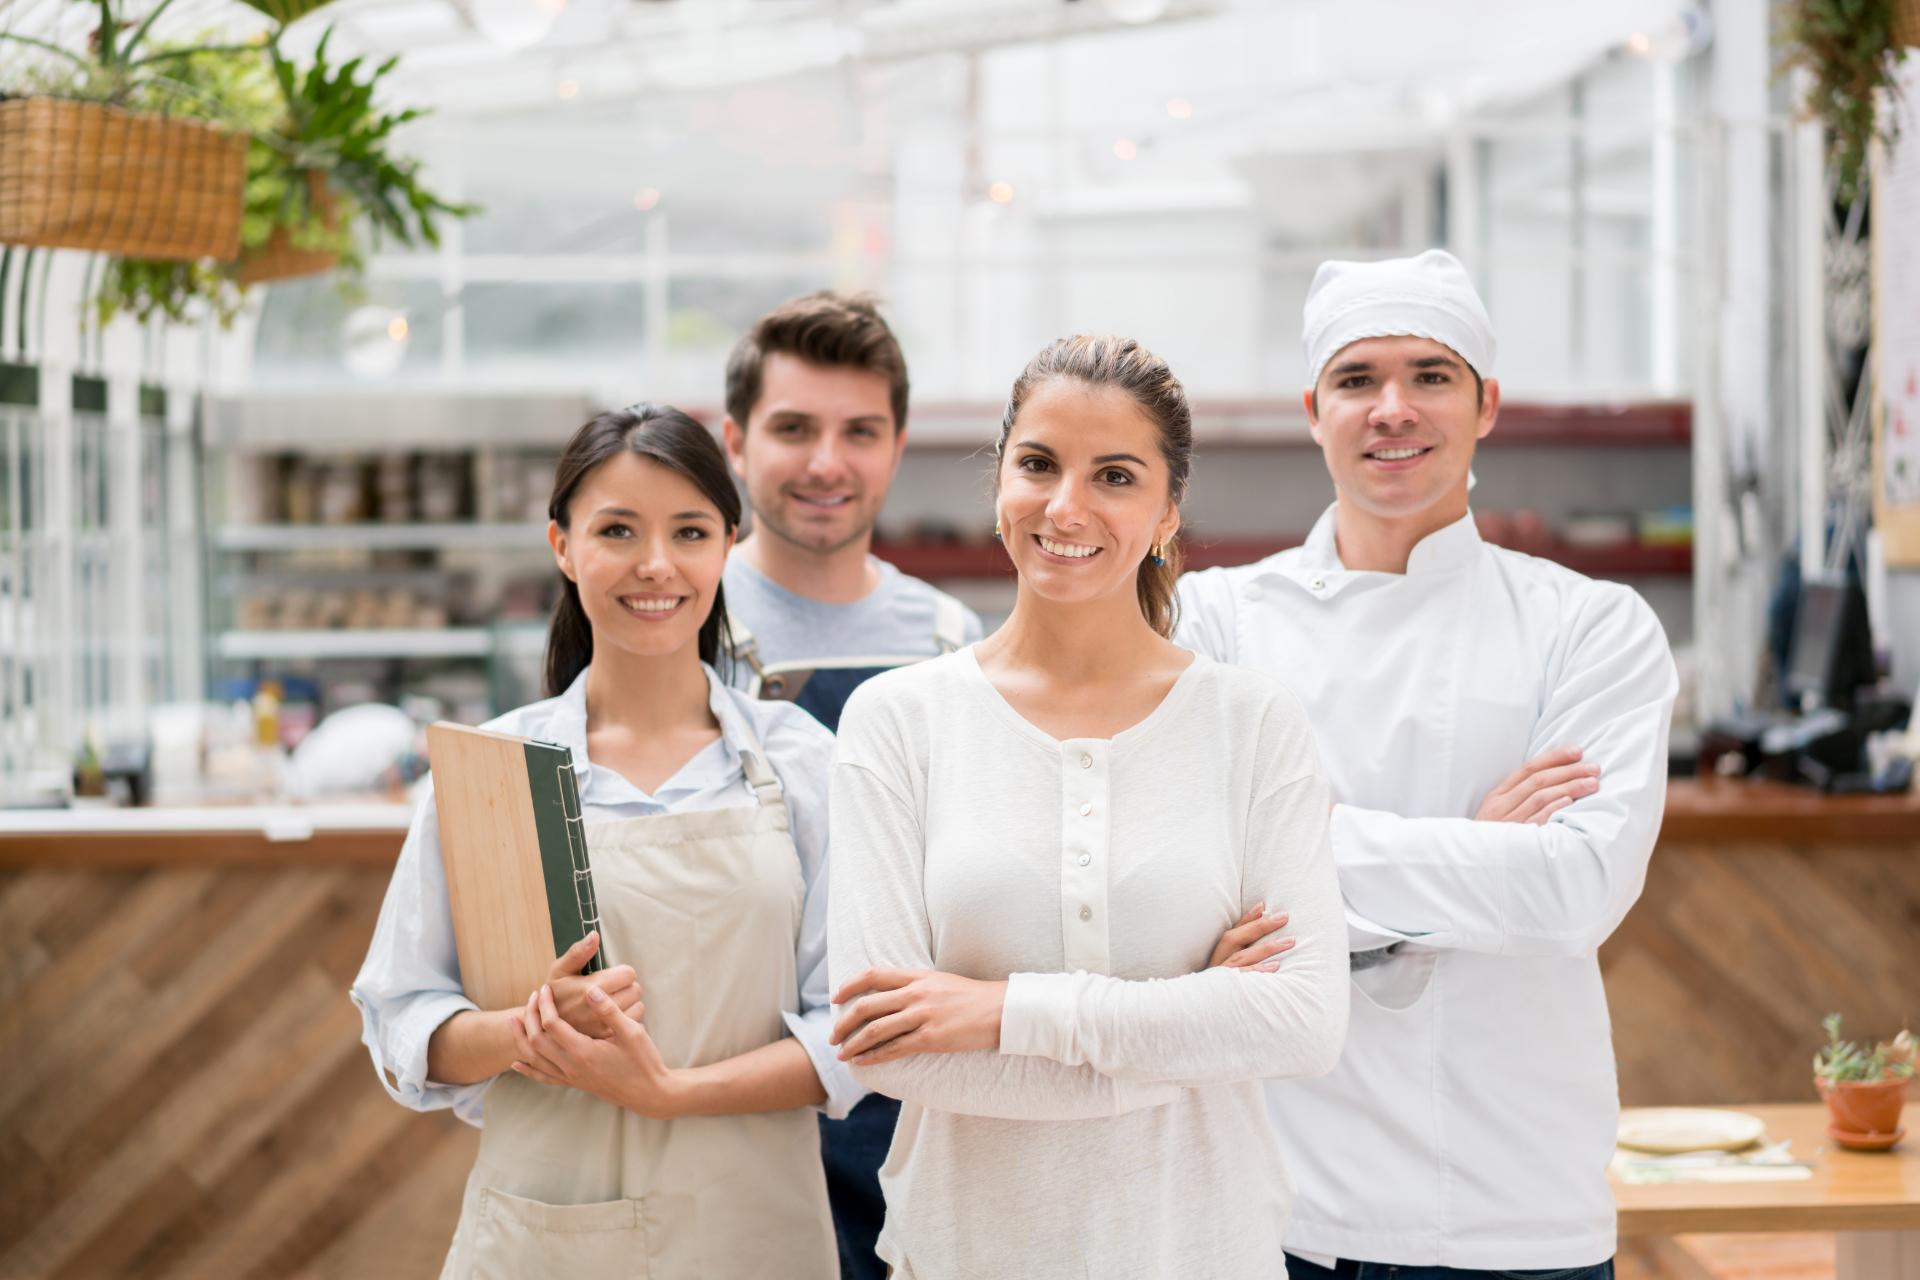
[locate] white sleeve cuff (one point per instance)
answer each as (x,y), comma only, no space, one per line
(811,1030)
(1469,911)
(396,1035)
(1036,1019)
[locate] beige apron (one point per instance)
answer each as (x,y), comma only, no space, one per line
(706,907)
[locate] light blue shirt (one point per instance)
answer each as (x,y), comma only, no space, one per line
(895,619)
(410,981)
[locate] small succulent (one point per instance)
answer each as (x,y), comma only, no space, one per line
(1843,1061)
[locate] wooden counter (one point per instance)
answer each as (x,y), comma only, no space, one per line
(186,1093)
(362,832)
(1720,811)
(367,831)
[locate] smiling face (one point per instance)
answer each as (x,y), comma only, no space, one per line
(1084,491)
(1397,419)
(818,452)
(646,549)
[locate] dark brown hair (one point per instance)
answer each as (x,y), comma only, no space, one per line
(833,329)
(1103,360)
(659,433)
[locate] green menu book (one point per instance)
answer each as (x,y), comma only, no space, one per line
(516,857)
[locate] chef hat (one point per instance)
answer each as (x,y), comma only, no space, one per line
(1429,296)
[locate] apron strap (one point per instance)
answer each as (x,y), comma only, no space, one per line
(745,649)
(760,777)
(753,763)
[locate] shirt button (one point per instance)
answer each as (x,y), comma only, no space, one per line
(1085,858)
(1086,762)
(1253,593)
(1085,810)
(1086,913)
(1318,584)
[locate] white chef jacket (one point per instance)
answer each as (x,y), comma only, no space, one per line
(1472,1114)
(410,981)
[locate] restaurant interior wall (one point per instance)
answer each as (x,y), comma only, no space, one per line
(1178,182)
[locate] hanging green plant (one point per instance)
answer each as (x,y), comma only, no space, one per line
(1849,49)
(318,167)
(333,127)
(237,87)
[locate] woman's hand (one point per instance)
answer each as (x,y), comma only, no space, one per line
(624,1067)
(1253,942)
(570,986)
(893,1013)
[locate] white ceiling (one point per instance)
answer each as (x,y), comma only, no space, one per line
(1333,72)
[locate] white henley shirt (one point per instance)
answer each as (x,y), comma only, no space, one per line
(1121,1128)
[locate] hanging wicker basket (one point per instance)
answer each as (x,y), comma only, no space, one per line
(278,259)
(77,175)
(1906,23)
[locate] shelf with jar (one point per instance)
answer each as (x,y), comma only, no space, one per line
(378,573)
(1656,544)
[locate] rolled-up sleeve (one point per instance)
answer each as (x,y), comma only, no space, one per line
(410,981)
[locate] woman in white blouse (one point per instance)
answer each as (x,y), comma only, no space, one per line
(1038,840)
(654,1117)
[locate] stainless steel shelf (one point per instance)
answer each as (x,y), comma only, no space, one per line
(282,646)
(455,535)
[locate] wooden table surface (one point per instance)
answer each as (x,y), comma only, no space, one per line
(1740,811)
(366,830)
(1849,1190)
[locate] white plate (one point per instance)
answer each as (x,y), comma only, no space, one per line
(1672,1130)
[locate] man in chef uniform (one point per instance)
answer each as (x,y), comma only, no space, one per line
(1494,727)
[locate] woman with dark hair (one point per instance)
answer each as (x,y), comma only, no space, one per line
(654,1117)
(1038,841)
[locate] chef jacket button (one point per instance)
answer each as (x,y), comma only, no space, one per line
(1086,762)
(1085,858)
(1085,810)
(1086,913)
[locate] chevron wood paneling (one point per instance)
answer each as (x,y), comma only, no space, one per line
(1719,977)
(186,1093)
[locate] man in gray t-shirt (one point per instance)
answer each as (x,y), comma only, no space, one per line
(816,424)
(815,653)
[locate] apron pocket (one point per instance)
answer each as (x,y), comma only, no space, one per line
(514,1239)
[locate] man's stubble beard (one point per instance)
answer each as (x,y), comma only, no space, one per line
(812,546)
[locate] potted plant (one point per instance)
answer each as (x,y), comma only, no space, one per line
(319,165)
(1852,49)
(1864,1090)
(93,155)
(305,160)
(332,142)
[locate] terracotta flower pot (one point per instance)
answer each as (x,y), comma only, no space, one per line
(1864,1108)
(277,259)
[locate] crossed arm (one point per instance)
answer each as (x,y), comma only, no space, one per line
(1077,1045)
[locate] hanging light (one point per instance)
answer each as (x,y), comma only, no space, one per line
(1134,12)
(373,341)
(514,24)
